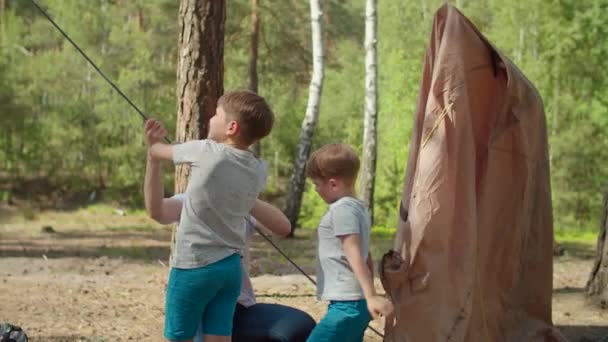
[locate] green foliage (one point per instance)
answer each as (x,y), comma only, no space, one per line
(62,121)
(583,236)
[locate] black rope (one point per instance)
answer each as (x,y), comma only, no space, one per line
(139,111)
(285,255)
(144,117)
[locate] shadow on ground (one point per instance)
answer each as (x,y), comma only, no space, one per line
(584,333)
(151,245)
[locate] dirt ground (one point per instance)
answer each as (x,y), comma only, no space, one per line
(87,280)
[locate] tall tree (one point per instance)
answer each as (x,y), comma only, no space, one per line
(252,70)
(597,285)
(368,167)
(297,181)
(200,71)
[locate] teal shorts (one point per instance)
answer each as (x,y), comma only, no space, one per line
(205,295)
(345,321)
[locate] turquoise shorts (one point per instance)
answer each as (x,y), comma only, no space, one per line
(205,295)
(345,321)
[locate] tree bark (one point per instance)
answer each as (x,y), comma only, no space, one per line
(368,165)
(140,19)
(597,285)
(297,181)
(200,74)
(253,59)
(200,71)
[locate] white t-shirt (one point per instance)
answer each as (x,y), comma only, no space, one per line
(247,296)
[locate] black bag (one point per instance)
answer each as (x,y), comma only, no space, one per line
(11,333)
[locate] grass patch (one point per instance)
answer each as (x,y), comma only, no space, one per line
(94,218)
(380,232)
(579,236)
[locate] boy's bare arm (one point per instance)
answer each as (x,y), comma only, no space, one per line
(271,217)
(161,151)
(352,251)
(162,210)
(376,304)
(153,189)
(155,134)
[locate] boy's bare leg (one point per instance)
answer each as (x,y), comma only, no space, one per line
(217,338)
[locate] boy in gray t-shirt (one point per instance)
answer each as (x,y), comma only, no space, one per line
(344,262)
(225,180)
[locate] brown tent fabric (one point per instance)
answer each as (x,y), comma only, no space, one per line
(475,238)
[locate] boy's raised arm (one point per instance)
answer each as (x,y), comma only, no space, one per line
(161,151)
(162,210)
(155,133)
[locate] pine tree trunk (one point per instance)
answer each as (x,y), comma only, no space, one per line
(597,285)
(253,60)
(200,73)
(297,181)
(368,166)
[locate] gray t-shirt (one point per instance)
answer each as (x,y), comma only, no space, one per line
(335,278)
(223,186)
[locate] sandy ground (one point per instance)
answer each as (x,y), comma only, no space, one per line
(109,285)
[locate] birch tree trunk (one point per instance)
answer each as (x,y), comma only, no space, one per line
(297,181)
(200,73)
(597,285)
(556,103)
(557,249)
(253,60)
(520,49)
(368,165)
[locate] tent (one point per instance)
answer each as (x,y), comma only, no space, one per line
(473,253)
